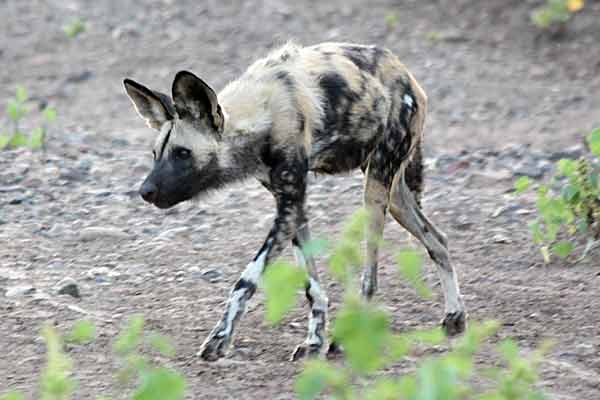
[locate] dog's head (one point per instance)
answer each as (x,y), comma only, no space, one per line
(186,151)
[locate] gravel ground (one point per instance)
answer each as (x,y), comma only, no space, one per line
(505,101)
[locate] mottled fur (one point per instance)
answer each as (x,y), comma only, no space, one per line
(328,108)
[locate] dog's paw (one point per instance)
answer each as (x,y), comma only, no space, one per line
(454,323)
(214,347)
(305,351)
(334,350)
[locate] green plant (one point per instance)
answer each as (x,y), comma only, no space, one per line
(391,20)
(16,110)
(555,12)
(75,27)
(370,345)
(153,382)
(569,204)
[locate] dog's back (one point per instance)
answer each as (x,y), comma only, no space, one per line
(336,101)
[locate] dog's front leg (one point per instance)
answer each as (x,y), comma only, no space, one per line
(215,345)
(287,183)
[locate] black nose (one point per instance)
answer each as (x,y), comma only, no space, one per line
(148,191)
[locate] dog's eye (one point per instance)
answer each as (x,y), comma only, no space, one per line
(182,153)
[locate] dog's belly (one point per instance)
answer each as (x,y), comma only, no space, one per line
(341,153)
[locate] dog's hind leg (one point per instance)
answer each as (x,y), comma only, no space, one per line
(315,294)
(375,200)
(405,210)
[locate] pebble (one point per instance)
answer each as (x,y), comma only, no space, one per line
(21,290)
(98,232)
(501,239)
(530,170)
(173,232)
(483,179)
(99,274)
(68,286)
(210,275)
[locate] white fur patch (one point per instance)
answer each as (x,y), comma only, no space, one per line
(408,100)
(451,291)
(300,260)
(252,274)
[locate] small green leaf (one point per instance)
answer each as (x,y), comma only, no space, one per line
(432,337)
(384,389)
(50,114)
(21,94)
(563,249)
(281,284)
(409,264)
(546,254)
(130,338)
(364,332)
(18,140)
(36,141)
(13,109)
(509,350)
(83,332)
(162,344)
(521,185)
(4,140)
(594,141)
(316,376)
(536,232)
(570,193)
(567,167)
(593,179)
(12,396)
(160,384)
(56,381)
(74,28)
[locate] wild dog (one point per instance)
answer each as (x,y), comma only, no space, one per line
(327,108)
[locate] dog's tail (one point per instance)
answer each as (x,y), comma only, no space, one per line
(413,175)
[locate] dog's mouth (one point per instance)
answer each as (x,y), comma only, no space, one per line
(162,204)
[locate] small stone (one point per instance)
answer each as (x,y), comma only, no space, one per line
(573,152)
(128,30)
(79,77)
(501,239)
(485,179)
(462,223)
(98,232)
(210,275)
(98,274)
(8,189)
(68,286)
(16,291)
(173,232)
(530,170)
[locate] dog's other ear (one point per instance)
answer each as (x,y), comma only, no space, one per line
(196,101)
(154,107)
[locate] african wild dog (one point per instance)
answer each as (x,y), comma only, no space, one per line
(327,108)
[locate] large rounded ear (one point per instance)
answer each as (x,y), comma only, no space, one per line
(154,107)
(196,101)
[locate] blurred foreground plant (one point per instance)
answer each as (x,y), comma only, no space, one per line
(16,109)
(569,204)
(555,13)
(153,382)
(370,345)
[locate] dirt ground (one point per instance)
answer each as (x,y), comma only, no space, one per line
(505,101)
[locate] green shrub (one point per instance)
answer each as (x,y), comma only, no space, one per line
(569,205)
(555,13)
(370,345)
(75,27)
(16,109)
(152,381)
